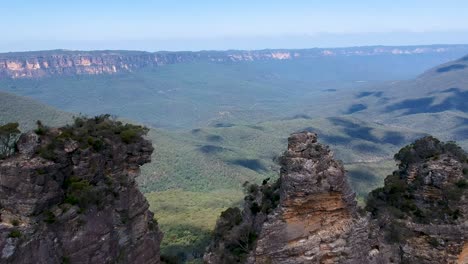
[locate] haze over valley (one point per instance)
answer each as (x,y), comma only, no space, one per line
(247,132)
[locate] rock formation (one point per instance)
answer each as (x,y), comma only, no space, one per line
(310,216)
(421,213)
(62,62)
(69,196)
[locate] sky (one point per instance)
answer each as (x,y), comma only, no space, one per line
(242,24)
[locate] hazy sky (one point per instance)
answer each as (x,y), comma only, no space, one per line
(238,24)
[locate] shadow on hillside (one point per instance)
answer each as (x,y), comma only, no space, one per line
(457,101)
(357,131)
(453,67)
(214,138)
(356,108)
(210,149)
(253,164)
(366,94)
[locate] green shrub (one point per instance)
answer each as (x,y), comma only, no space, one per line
(41,129)
(65,260)
(9,134)
(50,217)
(15,222)
(128,136)
(255,208)
(41,171)
(71,200)
(15,234)
(80,192)
(95,143)
(434,242)
(462,184)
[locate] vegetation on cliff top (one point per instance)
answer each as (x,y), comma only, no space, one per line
(9,134)
(88,133)
(236,231)
(402,197)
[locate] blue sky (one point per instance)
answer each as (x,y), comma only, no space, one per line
(204,24)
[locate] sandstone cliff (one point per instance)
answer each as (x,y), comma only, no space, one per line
(62,62)
(421,213)
(69,196)
(310,216)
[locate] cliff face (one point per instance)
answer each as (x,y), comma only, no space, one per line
(316,220)
(421,213)
(70,198)
(61,62)
(419,216)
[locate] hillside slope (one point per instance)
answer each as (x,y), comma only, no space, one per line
(196,91)
(434,103)
(38,64)
(26,112)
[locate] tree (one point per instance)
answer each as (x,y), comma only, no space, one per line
(9,135)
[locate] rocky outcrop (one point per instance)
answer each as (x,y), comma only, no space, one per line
(62,62)
(316,220)
(69,196)
(421,213)
(310,215)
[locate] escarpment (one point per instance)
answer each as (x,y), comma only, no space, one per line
(69,196)
(64,62)
(310,215)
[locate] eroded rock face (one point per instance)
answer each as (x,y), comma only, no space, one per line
(63,62)
(79,206)
(316,219)
(419,216)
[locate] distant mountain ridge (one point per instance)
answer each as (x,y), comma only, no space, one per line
(37,64)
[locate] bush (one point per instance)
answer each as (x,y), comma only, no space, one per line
(65,260)
(462,184)
(128,136)
(48,152)
(15,234)
(9,135)
(41,129)
(89,133)
(80,192)
(255,208)
(50,217)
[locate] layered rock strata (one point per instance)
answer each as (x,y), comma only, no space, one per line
(310,215)
(68,200)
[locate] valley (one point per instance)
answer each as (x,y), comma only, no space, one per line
(216,123)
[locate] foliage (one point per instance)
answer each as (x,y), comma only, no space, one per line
(236,231)
(276,88)
(400,198)
(179,162)
(188,218)
(80,192)
(428,147)
(15,233)
(89,133)
(9,134)
(15,222)
(50,217)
